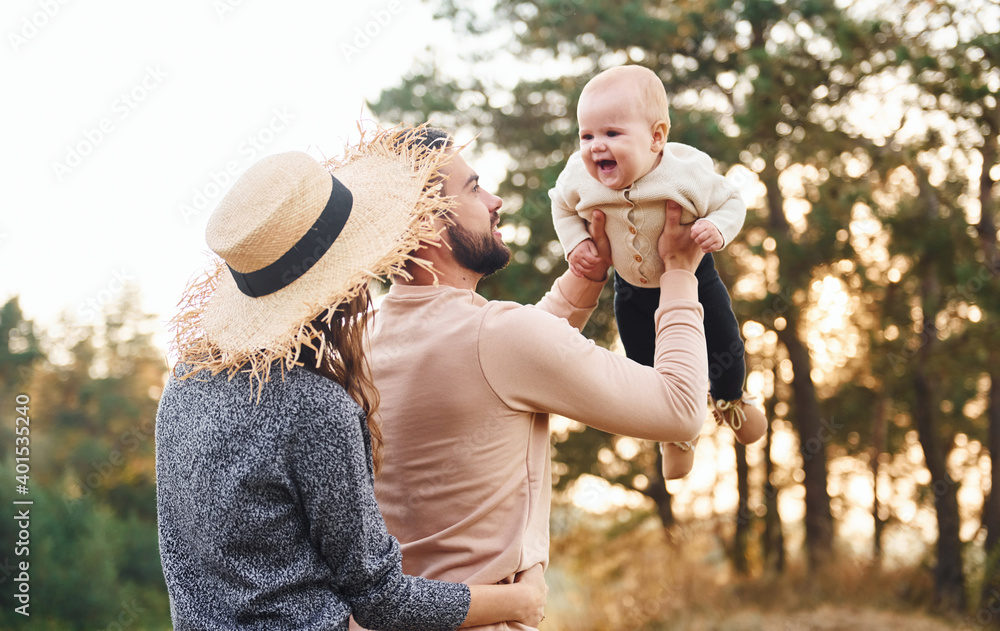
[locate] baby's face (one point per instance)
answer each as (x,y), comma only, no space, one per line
(616,143)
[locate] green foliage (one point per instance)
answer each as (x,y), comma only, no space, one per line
(86,565)
(94,557)
(19,351)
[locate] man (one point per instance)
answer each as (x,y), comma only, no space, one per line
(467,386)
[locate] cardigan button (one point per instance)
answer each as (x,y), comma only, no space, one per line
(631,229)
(638,259)
(643,281)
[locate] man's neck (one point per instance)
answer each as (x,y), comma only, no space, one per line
(446,272)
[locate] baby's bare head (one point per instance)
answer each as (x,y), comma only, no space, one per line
(638,89)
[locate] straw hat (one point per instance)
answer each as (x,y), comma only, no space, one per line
(296,239)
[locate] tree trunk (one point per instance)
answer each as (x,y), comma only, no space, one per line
(878,448)
(987,229)
(989,597)
(743,517)
(774,538)
(814,433)
(657,491)
(949,581)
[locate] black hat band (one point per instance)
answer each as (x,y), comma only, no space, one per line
(298,260)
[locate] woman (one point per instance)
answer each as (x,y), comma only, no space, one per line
(265,442)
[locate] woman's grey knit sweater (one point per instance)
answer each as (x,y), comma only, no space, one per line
(267,513)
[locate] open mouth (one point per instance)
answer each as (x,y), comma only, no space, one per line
(606,166)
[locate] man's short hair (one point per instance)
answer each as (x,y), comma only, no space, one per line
(432,138)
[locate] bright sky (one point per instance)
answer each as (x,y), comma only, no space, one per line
(118,115)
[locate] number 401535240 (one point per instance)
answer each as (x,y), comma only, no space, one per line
(22,427)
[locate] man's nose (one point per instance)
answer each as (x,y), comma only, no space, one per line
(495,203)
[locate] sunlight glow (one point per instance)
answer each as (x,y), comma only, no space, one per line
(834,340)
(626,447)
(596,495)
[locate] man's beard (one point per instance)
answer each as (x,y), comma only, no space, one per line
(479,253)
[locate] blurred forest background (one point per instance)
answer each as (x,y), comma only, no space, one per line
(865,139)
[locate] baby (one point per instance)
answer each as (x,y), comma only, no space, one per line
(627,169)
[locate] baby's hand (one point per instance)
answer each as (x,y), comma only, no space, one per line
(583,259)
(707,236)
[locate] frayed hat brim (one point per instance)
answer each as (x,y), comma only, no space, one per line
(397,210)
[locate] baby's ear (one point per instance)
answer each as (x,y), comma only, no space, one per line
(659,135)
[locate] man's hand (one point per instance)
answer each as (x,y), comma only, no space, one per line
(676,247)
(583,260)
(533,581)
(601,248)
(707,236)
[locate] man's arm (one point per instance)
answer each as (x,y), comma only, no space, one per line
(538,363)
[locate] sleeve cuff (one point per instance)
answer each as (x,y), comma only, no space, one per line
(580,293)
(678,284)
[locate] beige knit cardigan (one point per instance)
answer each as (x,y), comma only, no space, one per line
(635,215)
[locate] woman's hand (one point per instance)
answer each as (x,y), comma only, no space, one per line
(536,594)
(523,600)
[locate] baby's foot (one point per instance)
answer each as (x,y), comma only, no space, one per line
(742,416)
(678,459)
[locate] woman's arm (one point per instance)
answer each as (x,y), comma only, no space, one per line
(329,466)
(524,601)
(330,475)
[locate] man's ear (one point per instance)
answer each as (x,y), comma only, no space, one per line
(659,132)
(441,224)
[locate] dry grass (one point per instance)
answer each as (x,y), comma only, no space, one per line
(630,577)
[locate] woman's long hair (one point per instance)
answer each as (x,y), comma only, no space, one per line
(343,360)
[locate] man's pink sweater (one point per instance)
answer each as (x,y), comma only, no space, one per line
(466,388)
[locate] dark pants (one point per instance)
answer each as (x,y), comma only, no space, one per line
(636,306)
